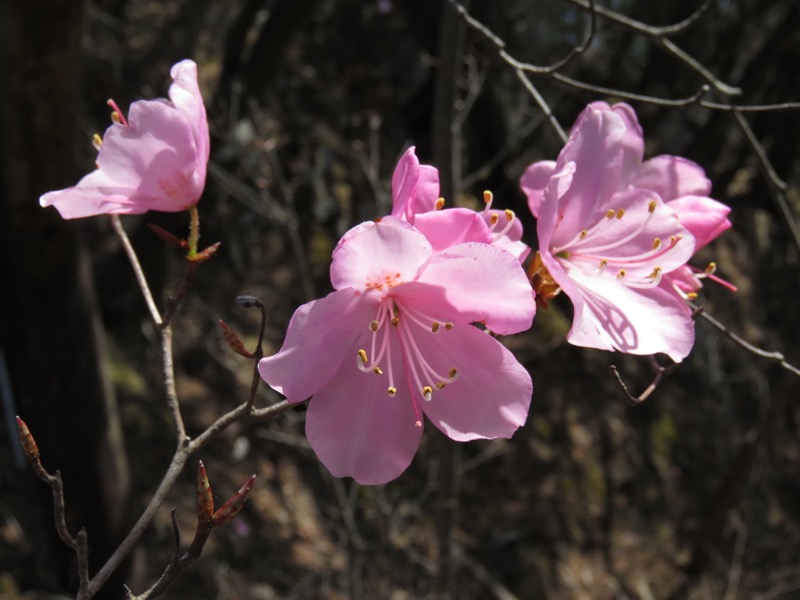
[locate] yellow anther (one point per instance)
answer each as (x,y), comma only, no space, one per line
(448,326)
(392,391)
(494,219)
(97,141)
(439,204)
(435,327)
(584,233)
(395,321)
(673,239)
(487,196)
(453,372)
(439,385)
(611,213)
(378,371)
(691,295)
(651,207)
(711,268)
(656,243)
(621,273)
(116,118)
(509,215)
(603,263)
(374,326)
(656,272)
(620,213)
(427,393)
(362,355)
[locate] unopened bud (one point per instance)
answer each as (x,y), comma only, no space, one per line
(205,497)
(231,508)
(29,446)
(234,343)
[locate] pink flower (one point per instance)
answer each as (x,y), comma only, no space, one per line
(415,195)
(679,182)
(607,242)
(395,340)
(154,160)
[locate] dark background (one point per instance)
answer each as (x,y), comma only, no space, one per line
(693,494)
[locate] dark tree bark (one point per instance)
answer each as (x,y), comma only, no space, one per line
(51,330)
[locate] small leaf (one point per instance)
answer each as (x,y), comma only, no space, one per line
(29,446)
(233,340)
(232,507)
(205,497)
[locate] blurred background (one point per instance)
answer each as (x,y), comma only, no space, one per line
(695,493)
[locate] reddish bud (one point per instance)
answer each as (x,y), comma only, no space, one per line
(205,497)
(204,255)
(28,443)
(165,235)
(233,340)
(232,507)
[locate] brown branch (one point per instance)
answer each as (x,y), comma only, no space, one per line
(777,357)
(660,373)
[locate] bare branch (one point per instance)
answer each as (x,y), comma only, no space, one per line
(777,357)
(137,270)
(660,373)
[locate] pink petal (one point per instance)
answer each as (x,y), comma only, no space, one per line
(185,95)
(358,431)
(684,279)
(321,336)
(484,284)
(705,218)
(672,177)
(635,233)
(95,194)
(534,181)
(595,146)
(548,219)
(404,182)
(415,187)
(611,316)
(381,254)
(452,226)
(427,191)
(632,142)
(492,395)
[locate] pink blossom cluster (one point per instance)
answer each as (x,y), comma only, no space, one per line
(420,295)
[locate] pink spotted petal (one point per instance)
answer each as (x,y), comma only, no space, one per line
(452,226)
(672,177)
(322,335)
(534,181)
(610,316)
(704,217)
(484,284)
(379,254)
(358,431)
(492,395)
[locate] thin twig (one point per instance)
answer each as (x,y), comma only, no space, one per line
(777,357)
(169,384)
(660,373)
(658,36)
(137,270)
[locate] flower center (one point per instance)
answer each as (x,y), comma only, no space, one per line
(598,251)
(408,326)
